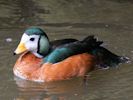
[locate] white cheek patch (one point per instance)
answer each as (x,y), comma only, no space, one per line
(30,45)
(24,38)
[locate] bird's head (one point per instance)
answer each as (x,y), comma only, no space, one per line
(34,40)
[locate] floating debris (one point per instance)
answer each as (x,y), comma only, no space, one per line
(106,25)
(8,39)
(75,94)
(131,51)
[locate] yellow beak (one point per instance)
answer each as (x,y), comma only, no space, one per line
(20,49)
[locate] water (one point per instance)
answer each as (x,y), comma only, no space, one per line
(109,20)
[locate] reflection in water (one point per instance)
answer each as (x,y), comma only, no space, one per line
(49,91)
(20,12)
(24,13)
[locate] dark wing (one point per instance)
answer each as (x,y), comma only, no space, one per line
(64,51)
(57,43)
(89,45)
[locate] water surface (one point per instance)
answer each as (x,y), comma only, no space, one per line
(109,20)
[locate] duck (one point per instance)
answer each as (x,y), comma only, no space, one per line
(42,60)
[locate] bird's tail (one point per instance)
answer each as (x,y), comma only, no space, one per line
(104,57)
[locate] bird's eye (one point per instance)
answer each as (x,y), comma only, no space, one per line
(32,39)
